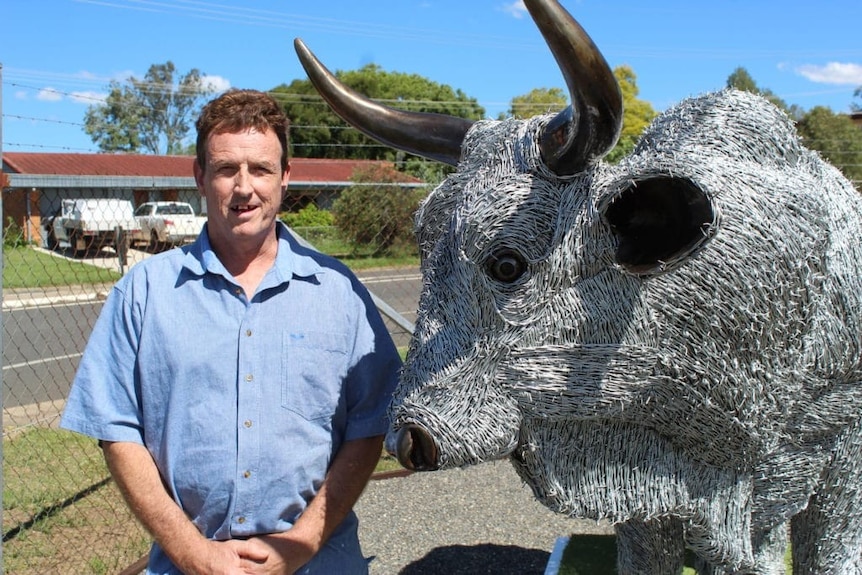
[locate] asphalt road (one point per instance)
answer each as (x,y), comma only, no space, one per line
(45,331)
(468,521)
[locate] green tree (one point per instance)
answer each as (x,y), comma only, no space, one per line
(537,102)
(376,213)
(637,114)
(740,79)
(316,132)
(153,114)
(837,139)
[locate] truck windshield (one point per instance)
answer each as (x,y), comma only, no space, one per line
(174,210)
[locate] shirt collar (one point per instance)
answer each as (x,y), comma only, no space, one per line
(290,260)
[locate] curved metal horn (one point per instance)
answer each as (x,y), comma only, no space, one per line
(590,126)
(434,136)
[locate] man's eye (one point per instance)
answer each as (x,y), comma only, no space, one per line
(225,171)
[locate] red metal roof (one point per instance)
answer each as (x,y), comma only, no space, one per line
(34,163)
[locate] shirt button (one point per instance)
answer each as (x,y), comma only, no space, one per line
(241,520)
(246,474)
(248,332)
(249,377)
(238,291)
(247,423)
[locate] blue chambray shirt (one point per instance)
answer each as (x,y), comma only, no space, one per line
(242,404)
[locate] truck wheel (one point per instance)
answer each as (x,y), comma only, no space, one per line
(74,242)
(155,242)
(53,242)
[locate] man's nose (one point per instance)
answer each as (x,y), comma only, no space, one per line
(242,180)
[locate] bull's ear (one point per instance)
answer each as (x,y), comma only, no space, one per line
(658,222)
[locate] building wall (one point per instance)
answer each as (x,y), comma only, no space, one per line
(20,207)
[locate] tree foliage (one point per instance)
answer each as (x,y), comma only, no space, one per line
(835,136)
(153,114)
(837,139)
(740,79)
(309,216)
(376,213)
(537,102)
(637,113)
(316,132)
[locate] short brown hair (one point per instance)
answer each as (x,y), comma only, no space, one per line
(237,110)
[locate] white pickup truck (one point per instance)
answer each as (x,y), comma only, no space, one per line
(91,224)
(163,224)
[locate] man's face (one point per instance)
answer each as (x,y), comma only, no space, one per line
(243,184)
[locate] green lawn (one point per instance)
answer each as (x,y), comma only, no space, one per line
(28,268)
(60,513)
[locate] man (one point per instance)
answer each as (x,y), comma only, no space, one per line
(239,385)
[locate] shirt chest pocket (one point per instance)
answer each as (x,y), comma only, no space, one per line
(314,365)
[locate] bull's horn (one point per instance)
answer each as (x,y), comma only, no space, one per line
(590,126)
(434,136)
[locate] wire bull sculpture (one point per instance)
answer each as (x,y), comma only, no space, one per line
(671,343)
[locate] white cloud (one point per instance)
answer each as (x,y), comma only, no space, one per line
(49,95)
(216,83)
(833,73)
(21,95)
(516,9)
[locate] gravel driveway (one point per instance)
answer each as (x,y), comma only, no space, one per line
(474,520)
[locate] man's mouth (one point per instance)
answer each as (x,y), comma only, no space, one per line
(242,209)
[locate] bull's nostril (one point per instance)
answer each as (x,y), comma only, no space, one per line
(415,449)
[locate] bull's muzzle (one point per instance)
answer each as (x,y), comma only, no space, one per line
(415,449)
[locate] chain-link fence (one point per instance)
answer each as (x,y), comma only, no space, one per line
(61,512)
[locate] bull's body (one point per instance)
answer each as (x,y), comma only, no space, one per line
(720,389)
(672,343)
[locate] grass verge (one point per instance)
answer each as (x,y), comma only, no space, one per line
(61,514)
(27,268)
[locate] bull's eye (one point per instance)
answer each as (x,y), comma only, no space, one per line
(506,266)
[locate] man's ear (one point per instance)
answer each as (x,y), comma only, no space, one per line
(659,222)
(199,176)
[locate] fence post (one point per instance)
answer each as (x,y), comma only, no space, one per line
(2,182)
(122,245)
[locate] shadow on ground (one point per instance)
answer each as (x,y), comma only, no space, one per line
(478,559)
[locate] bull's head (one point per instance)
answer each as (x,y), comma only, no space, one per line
(570,141)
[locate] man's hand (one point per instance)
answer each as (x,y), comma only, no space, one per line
(286,552)
(274,555)
(223,558)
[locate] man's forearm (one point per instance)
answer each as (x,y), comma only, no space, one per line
(347,477)
(137,476)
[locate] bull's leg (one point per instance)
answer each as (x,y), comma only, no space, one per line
(769,549)
(770,546)
(654,547)
(827,535)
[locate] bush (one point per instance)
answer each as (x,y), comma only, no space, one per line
(308,217)
(376,213)
(13,235)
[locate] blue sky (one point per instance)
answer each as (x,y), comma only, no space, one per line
(58,56)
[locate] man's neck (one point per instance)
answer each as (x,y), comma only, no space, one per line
(248,264)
